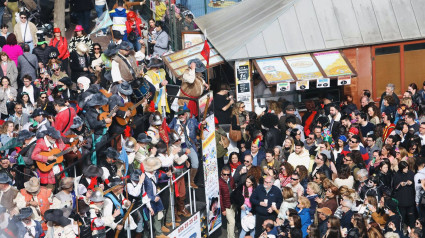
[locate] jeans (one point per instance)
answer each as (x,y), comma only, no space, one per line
(99,11)
(136,44)
(193,156)
(1,14)
(84,20)
(243,232)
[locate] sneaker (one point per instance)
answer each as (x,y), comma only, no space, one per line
(100,33)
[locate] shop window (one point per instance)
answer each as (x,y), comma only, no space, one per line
(414,64)
(387,69)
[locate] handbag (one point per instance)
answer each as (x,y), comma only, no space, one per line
(235,135)
(132,36)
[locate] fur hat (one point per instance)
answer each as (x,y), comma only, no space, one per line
(77,122)
(50,131)
(200,67)
(85,82)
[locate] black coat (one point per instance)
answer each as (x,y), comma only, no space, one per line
(43,54)
(77,68)
(36,92)
(324,169)
(273,138)
(404,194)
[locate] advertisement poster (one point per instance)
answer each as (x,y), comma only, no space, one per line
(333,63)
(274,70)
(323,83)
(344,80)
(304,67)
(189,229)
(283,87)
(243,82)
(191,38)
(209,158)
(303,85)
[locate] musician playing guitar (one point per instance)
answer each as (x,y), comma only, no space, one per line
(49,139)
(119,99)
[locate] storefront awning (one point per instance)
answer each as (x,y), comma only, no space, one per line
(329,64)
(177,62)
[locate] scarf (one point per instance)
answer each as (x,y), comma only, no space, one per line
(284,180)
(93,182)
(234,166)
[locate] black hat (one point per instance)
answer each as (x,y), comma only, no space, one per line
(97,99)
(135,175)
(112,153)
(391,204)
(24,213)
(143,138)
(25,135)
(56,215)
(269,120)
(93,171)
(77,122)
(126,46)
(161,147)
(155,63)
(115,181)
(38,112)
(200,67)
(83,208)
(112,50)
(66,80)
(125,88)
(53,55)
(50,131)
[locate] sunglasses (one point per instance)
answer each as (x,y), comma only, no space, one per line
(96,48)
(225,174)
(23,18)
(242,107)
(317,157)
(295,179)
(352,141)
(347,159)
(56,70)
(247,161)
(43,97)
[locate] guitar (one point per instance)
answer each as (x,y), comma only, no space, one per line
(46,167)
(132,108)
(105,115)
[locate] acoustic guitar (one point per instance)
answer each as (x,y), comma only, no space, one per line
(46,167)
(132,108)
(105,115)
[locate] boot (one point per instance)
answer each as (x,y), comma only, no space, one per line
(165,229)
(171,224)
(181,209)
(138,235)
(192,177)
(161,236)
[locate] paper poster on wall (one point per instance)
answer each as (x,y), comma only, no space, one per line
(333,63)
(189,229)
(283,87)
(323,83)
(273,70)
(209,161)
(243,83)
(303,85)
(344,80)
(304,67)
(191,38)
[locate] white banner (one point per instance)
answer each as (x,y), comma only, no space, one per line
(189,229)
(243,83)
(323,83)
(209,158)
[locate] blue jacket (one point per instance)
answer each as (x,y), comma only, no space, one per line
(21,230)
(148,184)
(192,125)
(346,220)
(260,156)
(305,219)
(259,194)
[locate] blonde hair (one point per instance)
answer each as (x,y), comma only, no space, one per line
(235,109)
(275,106)
(314,186)
(304,201)
(287,192)
(6,125)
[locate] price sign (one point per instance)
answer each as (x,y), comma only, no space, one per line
(283,87)
(344,80)
(303,85)
(323,83)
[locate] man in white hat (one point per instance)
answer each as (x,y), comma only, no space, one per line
(66,198)
(155,205)
(37,197)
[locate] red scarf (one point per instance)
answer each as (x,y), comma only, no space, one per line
(93,182)
(234,166)
(284,180)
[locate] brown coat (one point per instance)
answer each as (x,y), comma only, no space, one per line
(125,72)
(191,89)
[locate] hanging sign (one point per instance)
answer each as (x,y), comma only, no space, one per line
(344,80)
(303,85)
(323,83)
(243,83)
(283,87)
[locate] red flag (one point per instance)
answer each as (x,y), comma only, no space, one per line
(206,53)
(163,131)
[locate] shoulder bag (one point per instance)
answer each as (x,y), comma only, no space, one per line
(235,135)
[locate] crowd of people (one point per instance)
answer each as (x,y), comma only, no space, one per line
(337,170)
(90,136)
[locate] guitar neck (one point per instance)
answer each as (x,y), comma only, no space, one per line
(136,105)
(64,152)
(112,112)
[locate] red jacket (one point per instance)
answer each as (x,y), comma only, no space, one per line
(63,120)
(128,25)
(49,177)
(62,46)
(225,193)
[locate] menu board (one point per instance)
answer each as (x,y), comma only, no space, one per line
(333,63)
(243,82)
(273,70)
(304,67)
(177,62)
